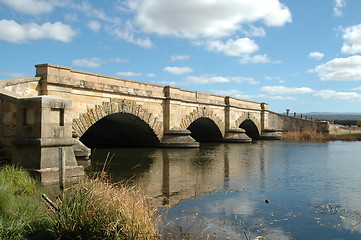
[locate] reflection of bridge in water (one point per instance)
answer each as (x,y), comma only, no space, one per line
(172,175)
(42,114)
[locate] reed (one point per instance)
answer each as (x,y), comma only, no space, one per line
(97,209)
(91,209)
(313,136)
(299,136)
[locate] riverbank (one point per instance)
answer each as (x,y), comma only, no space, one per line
(345,135)
(91,209)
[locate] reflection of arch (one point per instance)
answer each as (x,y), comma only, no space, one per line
(86,120)
(202,112)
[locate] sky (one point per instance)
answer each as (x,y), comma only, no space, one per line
(299,55)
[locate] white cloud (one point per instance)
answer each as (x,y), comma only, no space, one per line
(90,11)
(282,98)
(352,37)
(260,58)
(337,9)
(94,26)
(168,83)
(237,94)
(11,31)
(87,62)
(95,62)
(179,57)
(356,89)
(280,80)
(178,70)
(232,47)
(316,55)
(241,95)
(205,18)
(128,35)
(331,94)
(33,7)
(151,75)
(117,60)
(255,31)
(71,17)
(129,74)
(232,92)
(340,69)
(208,79)
(285,90)
(14,74)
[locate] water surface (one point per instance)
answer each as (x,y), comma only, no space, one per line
(313,189)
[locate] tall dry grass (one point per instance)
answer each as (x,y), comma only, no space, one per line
(304,136)
(313,136)
(97,209)
(91,209)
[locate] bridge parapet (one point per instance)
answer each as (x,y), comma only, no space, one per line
(188,96)
(54,75)
(21,87)
(244,104)
(282,122)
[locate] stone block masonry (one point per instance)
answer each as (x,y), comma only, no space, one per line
(41,116)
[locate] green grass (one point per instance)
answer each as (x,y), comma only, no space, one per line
(91,209)
(20,203)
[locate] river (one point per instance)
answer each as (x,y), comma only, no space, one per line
(263,190)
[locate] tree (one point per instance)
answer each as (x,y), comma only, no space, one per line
(359,123)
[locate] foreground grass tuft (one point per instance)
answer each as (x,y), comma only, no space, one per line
(97,209)
(20,204)
(92,209)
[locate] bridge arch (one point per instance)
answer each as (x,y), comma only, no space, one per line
(251,124)
(117,109)
(204,125)
(205,130)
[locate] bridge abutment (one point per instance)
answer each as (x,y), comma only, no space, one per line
(44,139)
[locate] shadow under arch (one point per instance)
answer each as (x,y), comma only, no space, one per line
(205,130)
(119,130)
(251,129)
(86,120)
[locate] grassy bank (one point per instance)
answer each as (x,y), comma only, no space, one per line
(92,209)
(20,204)
(318,137)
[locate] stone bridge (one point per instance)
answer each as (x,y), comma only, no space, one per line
(49,117)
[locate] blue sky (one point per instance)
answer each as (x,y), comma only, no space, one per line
(301,55)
